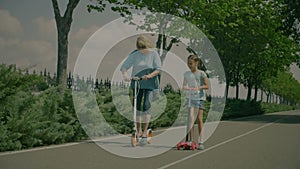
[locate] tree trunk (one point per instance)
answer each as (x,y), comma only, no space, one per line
(62,57)
(249,91)
(63,24)
(159,42)
(255,93)
(237,91)
(281,100)
(227,87)
(227,90)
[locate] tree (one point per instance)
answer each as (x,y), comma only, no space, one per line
(63,24)
(168,28)
(248,39)
(168,89)
(246,34)
(292,21)
(272,50)
(283,85)
(162,24)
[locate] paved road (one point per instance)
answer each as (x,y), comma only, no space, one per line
(259,142)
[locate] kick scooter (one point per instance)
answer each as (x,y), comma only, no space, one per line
(188,145)
(135,138)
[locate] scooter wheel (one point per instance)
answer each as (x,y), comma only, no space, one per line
(193,146)
(133,140)
(178,146)
(149,134)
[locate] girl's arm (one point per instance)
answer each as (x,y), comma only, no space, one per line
(205,86)
(184,85)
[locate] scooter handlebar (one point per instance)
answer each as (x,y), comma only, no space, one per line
(136,78)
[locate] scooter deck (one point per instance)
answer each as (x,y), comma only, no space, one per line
(187,145)
(140,141)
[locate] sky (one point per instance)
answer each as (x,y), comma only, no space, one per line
(28,34)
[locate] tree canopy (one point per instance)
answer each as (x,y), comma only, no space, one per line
(250,36)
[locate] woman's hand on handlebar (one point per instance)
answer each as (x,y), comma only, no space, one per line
(126,78)
(136,78)
(145,77)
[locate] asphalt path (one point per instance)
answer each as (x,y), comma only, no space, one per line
(269,141)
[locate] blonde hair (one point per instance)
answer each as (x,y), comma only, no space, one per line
(194,58)
(143,43)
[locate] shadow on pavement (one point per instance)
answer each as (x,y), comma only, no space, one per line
(282,117)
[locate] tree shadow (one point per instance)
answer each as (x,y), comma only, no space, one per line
(288,118)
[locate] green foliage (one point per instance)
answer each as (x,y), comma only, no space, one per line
(171,111)
(272,107)
(168,89)
(31,117)
(248,35)
(240,108)
(283,85)
(292,12)
(12,81)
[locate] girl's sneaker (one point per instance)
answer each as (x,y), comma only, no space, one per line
(201,146)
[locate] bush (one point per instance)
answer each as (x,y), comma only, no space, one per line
(272,107)
(239,108)
(32,117)
(33,114)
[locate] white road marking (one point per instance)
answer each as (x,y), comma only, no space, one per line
(120,136)
(218,145)
(39,149)
(76,143)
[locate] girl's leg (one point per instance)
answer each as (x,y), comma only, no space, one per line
(191,123)
(200,125)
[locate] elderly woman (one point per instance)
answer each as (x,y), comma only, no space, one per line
(146,64)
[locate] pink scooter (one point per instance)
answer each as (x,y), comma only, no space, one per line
(187,145)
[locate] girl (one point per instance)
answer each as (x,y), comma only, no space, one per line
(196,82)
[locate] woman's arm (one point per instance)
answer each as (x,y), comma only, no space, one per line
(125,75)
(151,75)
(126,65)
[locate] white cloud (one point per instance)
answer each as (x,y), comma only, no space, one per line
(25,53)
(40,51)
(39,48)
(77,39)
(9,24)
(46,28)
(4,43)
(83,34)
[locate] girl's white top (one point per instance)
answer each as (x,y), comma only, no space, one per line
(195,79)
